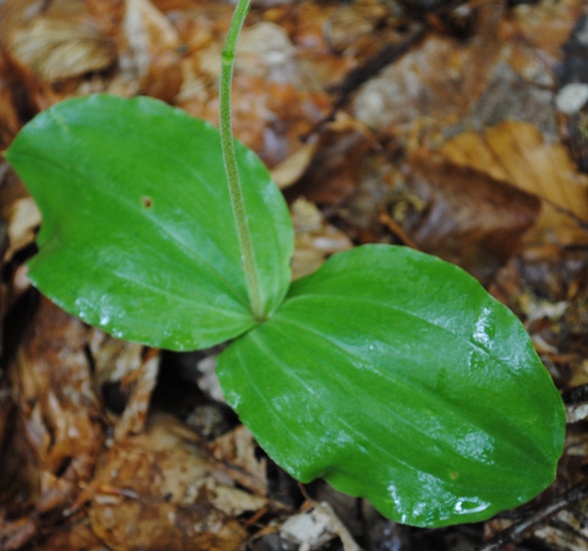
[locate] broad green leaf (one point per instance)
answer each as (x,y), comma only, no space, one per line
(138,236)
(396,377)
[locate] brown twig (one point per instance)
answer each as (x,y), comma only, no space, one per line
(373,65)
(356,77)
(385,219)
(518,531)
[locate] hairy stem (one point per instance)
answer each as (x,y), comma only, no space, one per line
(230,161)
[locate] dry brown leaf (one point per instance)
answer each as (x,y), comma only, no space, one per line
(153,526)
(23,220)
(152,59)
(114,359)
(516,153)
(15,534)
(235,453)
(314,528)
(351,26)
(167,5)
(76,534)
(316,240)
(264,49)
(12,103)
(547,26)
(121,363)
(139,387)
(228,499)
(333,38)
(157,490)
(468,218)
(270,3)
(19,212)
(55,47)
(335,169)
(289,171)
(58,429)
(59,48)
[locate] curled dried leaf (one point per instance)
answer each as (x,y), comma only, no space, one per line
(54,49)
(516,153)
(57,410)
(157,490)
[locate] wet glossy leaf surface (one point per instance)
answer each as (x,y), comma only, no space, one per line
(127,202)
(395,376)
(501,62)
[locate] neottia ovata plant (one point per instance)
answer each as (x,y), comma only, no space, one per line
(390,373)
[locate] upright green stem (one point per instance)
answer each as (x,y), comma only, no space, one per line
(230,160)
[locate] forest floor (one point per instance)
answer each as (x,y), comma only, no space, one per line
(457,128)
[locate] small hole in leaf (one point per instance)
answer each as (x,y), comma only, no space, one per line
(147,202)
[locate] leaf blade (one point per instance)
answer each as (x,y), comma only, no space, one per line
(434,422)
(100,164)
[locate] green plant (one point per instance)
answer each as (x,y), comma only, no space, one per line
(388,372)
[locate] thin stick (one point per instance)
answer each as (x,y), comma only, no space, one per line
(521,529)
(230,161)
